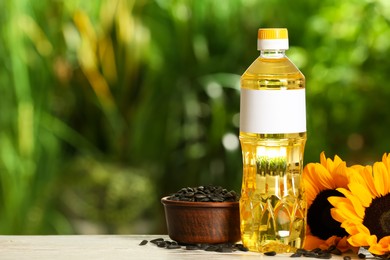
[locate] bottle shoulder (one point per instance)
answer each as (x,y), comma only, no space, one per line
(272,68)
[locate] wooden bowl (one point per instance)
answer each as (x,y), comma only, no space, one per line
(202,222)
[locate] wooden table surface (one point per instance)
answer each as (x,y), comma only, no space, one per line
(110,247)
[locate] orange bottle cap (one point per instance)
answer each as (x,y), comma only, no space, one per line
(272,39)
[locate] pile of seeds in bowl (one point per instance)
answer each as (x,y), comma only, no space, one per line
(205,194)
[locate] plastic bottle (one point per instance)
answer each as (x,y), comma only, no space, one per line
(272,137)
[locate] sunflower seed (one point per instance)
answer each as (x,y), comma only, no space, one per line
(324,255)
(205,194)
(223,249)
(309,254)
(161,244)
(173,246)
(143,242)
(296,255)
(211,248)
(270,253)
(241,247)
(156,240)
(192,247)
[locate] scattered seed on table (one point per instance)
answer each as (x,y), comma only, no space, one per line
(143,242)
(316,250)
(296,255)
(270,253)
(309,254)
(336,251)
(324,255)
(173,246)
(223,249)
(211,248)
(241,247)
(161,244)
(347,257)
(361,255)
(192,247)
(156,240)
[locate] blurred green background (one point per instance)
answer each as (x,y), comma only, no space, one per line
(108,105)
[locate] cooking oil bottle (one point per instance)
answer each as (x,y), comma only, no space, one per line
(272,137)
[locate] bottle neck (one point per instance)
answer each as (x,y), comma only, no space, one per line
(273,53)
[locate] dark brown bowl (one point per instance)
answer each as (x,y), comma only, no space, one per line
(202,222)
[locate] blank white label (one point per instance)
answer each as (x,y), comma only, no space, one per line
(273,111)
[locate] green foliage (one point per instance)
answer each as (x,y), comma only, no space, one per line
(106,106)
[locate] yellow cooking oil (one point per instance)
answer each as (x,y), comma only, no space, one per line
(272,137)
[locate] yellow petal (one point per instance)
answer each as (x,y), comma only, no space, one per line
(324,178)
(385,242)
(359,209)
(386,160)
(382,247)
(380,178)
(340,177)
(331,165)
(310,195)
(344,211)
(328,163)
(377,249)
(337,161)
(309,181)
(350,227)
(323,158)
(361,193)
(318,176)
(355,227)
(335,201)
(344,191)
(384,178)
(368,180)
(362,239)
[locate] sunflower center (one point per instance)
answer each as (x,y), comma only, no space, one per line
(319,219)
(377,216)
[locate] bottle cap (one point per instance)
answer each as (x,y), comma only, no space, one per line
(272,39)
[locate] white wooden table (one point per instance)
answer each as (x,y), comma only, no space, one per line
(111,247)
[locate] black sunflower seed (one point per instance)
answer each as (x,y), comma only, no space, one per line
(173,246)
(316,250)
(346,257)
(192,247)
(336,251)
(241,247)
(331,248)
(224,249)
(156,240)
(161,244)
(211,248)
(309,254)
(143,242)
(323,255)
(270,253)
(301,251)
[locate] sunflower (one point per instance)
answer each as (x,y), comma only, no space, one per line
(364,212)
(321,181)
